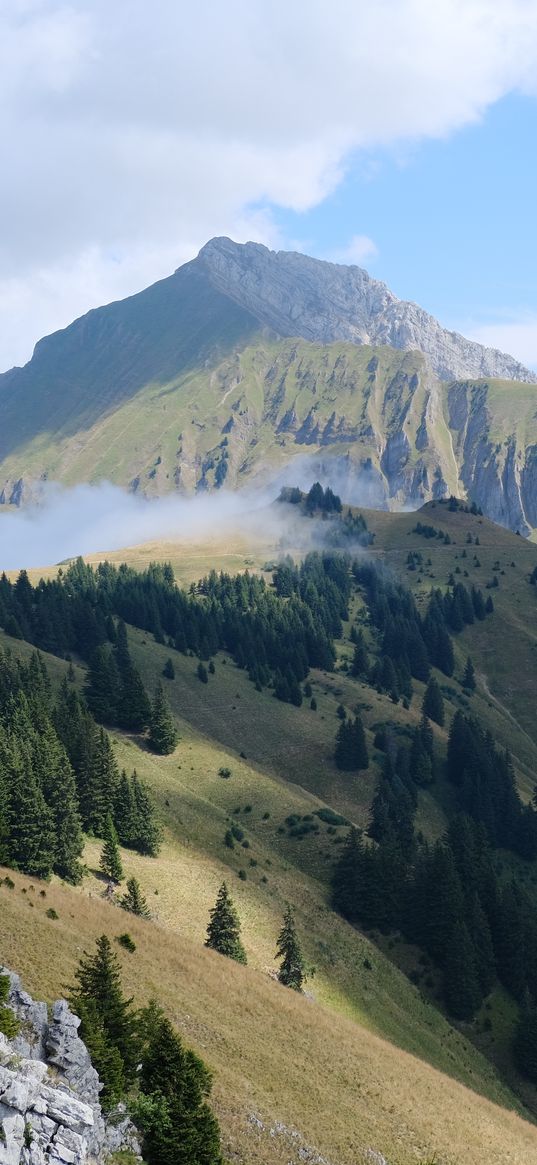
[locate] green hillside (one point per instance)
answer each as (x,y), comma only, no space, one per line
(366,988)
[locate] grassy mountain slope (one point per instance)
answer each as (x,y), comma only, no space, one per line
(269,1049)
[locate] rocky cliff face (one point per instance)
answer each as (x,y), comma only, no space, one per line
(299,296)
(49,1092)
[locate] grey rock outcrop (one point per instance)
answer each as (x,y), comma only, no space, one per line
(299,296)
(49,1092)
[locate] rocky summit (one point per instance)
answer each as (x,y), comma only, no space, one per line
(299,296)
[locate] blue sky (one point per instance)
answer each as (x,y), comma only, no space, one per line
(452,222)
(400,133)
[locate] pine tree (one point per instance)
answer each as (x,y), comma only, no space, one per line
(105,1057)
(126,813)
(98,998)
(103,687)
(134,900)
(420,761)
(351,749)
(360,661)
(178,1125)
(110,861)
(162,734)
(291,972)
(57,782)
(97,781)
(148,835)
(168,670)
(223,931)
(133,707)
(482,943)
(468,679)
(30,822)
(462,992)
(433,704)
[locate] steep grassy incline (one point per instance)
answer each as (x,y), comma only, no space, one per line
(319,1064)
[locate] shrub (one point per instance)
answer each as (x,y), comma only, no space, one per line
(243,875)
(330,817)
(126,941)
(51,913)
(9,1024)
(224,772)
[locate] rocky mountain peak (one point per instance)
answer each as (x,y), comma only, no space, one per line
(296,295)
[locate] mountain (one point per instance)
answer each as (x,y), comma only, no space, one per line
(248,364)
(299,296)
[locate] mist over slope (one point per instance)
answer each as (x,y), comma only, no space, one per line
(246,363)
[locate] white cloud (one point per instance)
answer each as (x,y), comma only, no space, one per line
(93,518)
(358,250)
(519,337)
(132,132)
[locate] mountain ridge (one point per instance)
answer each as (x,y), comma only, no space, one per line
(189,385)
(351,306)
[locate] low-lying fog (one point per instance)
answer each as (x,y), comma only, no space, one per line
(94,518)
(88,519)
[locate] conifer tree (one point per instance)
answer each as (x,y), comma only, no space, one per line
(103,686)
(126,813)
(98,999)
(468,679)
(223,931)
(291,972)
(168,670)
(99,789)
(134,900)
(133,707)
(433,704)
(420,761)
(105,1057)
(178,1125)
(360,661)
(351,749)
(461,985)
(163,734)
(479,930)
(148,834)
(110,861)
(57,782)
(29,819)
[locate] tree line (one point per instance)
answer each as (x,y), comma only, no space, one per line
(275,641)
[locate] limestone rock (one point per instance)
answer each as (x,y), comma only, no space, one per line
(49,1092)
(299,296)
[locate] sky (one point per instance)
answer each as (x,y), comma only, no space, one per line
(396,134)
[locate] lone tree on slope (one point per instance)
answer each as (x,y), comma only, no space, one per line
(223,931)
(291,973)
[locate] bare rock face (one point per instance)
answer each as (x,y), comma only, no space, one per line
(49,1092)
(299,296)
